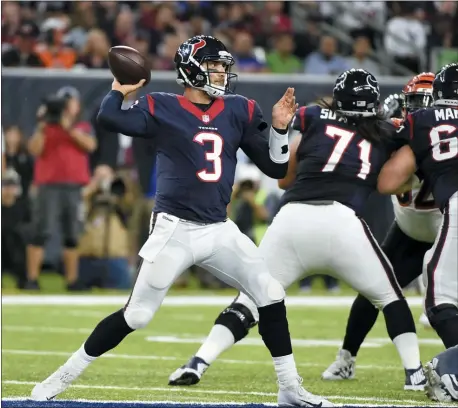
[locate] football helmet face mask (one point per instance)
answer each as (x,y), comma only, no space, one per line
(356,93)
(393,106)
(418,92)
(198,58)
(445,86)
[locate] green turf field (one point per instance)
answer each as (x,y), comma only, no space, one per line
(36,339)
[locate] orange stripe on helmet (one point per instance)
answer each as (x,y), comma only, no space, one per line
(420,84)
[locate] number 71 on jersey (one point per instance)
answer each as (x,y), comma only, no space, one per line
(344,138)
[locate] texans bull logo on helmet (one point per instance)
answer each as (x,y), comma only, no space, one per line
(189,50)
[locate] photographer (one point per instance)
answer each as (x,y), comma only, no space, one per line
(104,245)
(61,145)
(15,217)
(247,207)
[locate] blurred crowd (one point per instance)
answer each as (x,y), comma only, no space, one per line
(315,37)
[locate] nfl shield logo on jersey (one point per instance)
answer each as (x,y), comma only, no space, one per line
(205,118)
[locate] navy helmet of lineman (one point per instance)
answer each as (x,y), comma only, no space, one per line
(356,93)
(445,86)
(195,63)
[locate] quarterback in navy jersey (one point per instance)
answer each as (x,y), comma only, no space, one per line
(432,153)
(336,156)
(197,138)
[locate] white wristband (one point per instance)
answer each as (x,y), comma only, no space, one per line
(278,147)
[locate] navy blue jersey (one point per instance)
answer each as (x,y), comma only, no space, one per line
(433,135)
(333,161)
(196,149)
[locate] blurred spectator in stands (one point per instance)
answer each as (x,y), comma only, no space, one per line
(282,60)
(53,53)
(166,53)
(271,19)
(405,38)
(83,20)
(104,245)
(95,52)
(247,207)
(308,41)
(18,158)
(61,145)
(21,53)
(331,283)
(124,28)
(11,21)
(325,61)
(141,43)
(360,57)
(14,218)
(247,58)
(165,23)
(198,25)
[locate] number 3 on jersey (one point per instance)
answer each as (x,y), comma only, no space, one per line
(344,139)
(213,156)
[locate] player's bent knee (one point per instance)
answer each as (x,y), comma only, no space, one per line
(238,319)
(137,318)
(440,313)
(273,291)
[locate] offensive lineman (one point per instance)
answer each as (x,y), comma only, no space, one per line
(339,152)
(417,221)
(198,136)
(433,153)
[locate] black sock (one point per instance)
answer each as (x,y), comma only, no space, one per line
(107,334)
(363,315)
(398,319)
(273,328)
(447,330)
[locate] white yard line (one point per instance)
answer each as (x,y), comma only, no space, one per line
(218,392)
(181,360)
(180,301)
(187,338)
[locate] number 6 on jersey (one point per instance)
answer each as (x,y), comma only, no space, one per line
(344,139)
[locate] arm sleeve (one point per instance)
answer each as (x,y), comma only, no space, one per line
(265,146)
(138,121)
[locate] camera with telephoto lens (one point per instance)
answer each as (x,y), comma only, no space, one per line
(55,106)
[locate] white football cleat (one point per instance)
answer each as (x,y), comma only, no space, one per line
(55,384)
(190,373)
(437,389)
(343,368)
(294,395)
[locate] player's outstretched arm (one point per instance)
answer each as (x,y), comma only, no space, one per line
(396,174)
(136,122)
(270,152)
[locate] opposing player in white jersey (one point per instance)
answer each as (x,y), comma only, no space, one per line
(417,221)
(331,154)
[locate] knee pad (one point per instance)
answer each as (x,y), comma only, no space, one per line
(137,317)
(70,243)
(440,313)
(238,319)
